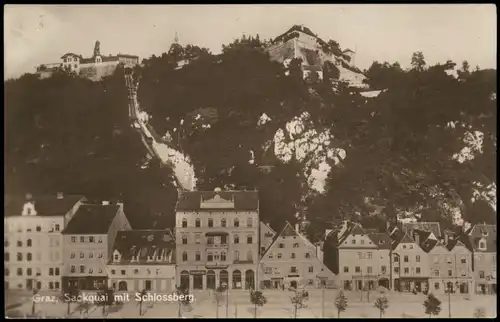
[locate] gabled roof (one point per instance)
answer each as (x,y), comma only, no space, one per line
(488,232)
(454,242)
(71,54)
(45,205)
(433,227)
(267,227)
(382,240)
(243,200)
(91,219)
(287,231)
(141,244)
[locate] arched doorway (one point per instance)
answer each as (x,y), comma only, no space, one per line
(384,282)
(224,278)
(464,288)
(122,286)
(293,284)
(249,280)
(236,279)
(211,280)
(184,280)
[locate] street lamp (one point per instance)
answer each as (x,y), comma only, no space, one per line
(224,285)
(449,289)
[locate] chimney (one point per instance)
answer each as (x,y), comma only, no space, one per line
(105,203)
(417,238)
(60,195)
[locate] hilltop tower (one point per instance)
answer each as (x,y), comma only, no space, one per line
(97,49)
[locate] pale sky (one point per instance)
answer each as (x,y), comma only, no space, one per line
(37,34)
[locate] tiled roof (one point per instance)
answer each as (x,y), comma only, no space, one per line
(382,240)
(91,219)
(243,200)
(425,226)
(428,244)
(45,205)
(489,233)
(87,60)
(357,230)
(109,58)
(71,54)
(128,56)
(145,243)
(312,68)
(288,231)
(407,239)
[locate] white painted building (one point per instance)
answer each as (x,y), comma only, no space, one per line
(33,242)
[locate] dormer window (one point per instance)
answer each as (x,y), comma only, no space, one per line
(116,256)
(482,245)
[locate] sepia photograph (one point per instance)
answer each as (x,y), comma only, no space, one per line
(250,161)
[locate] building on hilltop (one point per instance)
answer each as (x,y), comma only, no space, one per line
(33,243)
(217,239)
(87,244)
(95,67)
(142,260)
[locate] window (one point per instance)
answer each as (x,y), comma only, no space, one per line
(357,269)
(19,271)
(292,255)
(197,223)
(19,243)
(448,259)
(396,269)
(249,222)
(82,268)
(270,255)
(418,270)
(73,239)
(51,271)
(19,257)
(346,269)
(296,245)
(198,256)
(369,270)
(407,270)
(210,222)
(223,240)
(29,257)
(210,257)
(223,256)
(223,222)
(6,271)
(113,272)
(124,272)
(384,269)
(281,245)
(293,269)
(268,270)
(6,243)
(28,243)
(236,223)
(436,286)
(450,272)
(406,259)
(82,255)
(100,255)
(396,259)
(197,239)
(279,255)
(360,255)
(249,239)
(463,260)
(184,240)
(51,285)
(311,269)
(354,242)
(481,274)
(236,255)
(57,271)
(184,223)
(236,239)
(58,227)
(73,269)
(28,272)
(370,254)
(184,256)
(99,240)
(91,239)
(418,258)
(362,241)
(82,239)
(308,255)
(436,272)
(136,271)
(6,257)
(38,228)
(210,240)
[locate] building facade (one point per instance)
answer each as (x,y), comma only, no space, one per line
(217,239)
(481,241)
(94,68)
(267,235)
(291,262)
(142,260)
(88,241)
(33,243)
(410,269)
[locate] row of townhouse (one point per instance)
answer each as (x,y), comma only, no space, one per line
(413,257)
